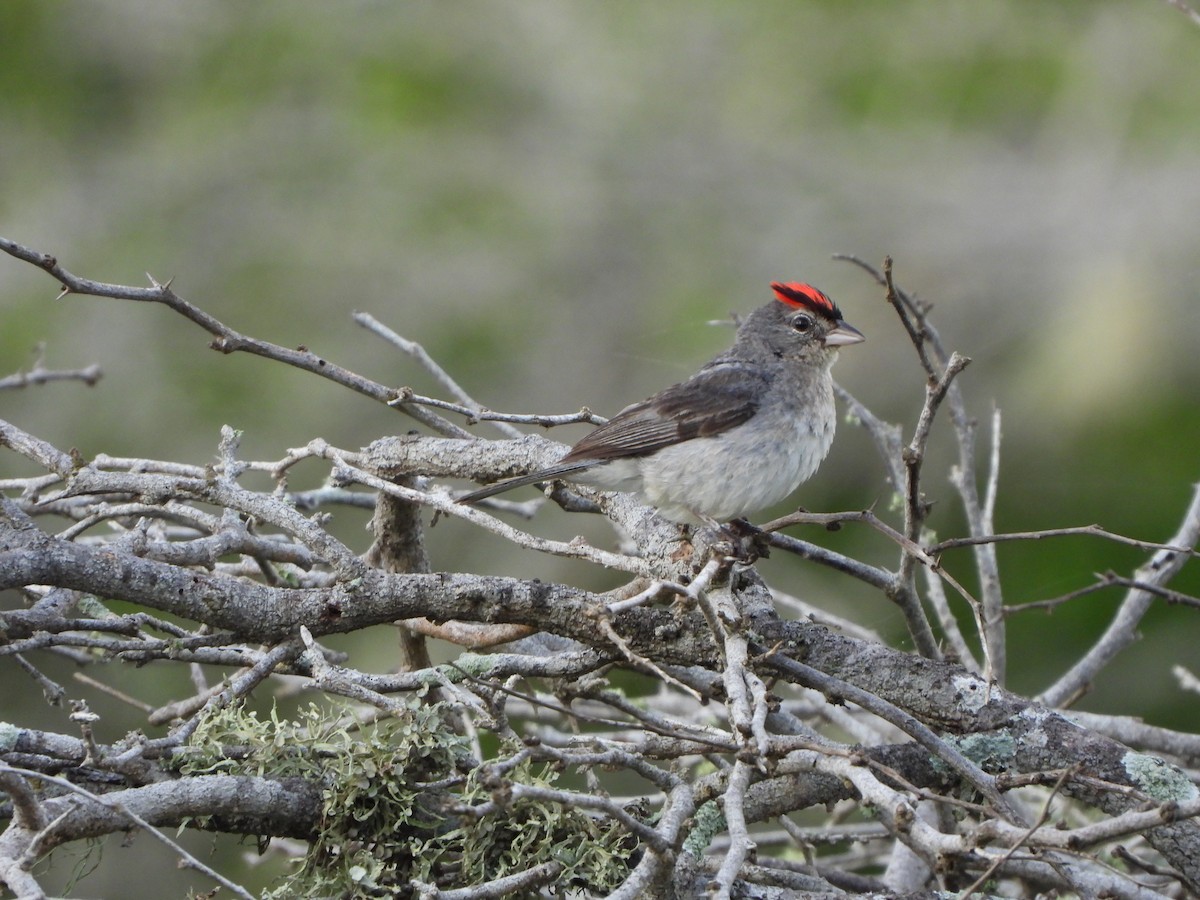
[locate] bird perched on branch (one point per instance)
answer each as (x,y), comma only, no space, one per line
(736,437)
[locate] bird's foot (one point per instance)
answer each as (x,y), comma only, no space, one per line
(684,541)
(747,541)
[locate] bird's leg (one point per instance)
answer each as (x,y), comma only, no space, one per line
(741,528)
(737,538)
(685,548)
(750,542)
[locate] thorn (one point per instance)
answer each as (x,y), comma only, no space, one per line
(65,290)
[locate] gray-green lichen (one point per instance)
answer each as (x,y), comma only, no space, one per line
(1035,735)
(708,822)
(972,692)
(1162,782)
(992,752)
(476,664)
(8,736)
(404,802)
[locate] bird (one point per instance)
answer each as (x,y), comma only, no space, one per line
(739,435)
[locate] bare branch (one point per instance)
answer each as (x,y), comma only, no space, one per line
(122,813)
(481,414)
(888,438)
(446,506)
(225,339)
(418,353)
(676,701)
(1186,10)
(1070,531)
(38,375)
(1122,630)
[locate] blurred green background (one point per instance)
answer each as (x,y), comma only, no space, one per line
(554,198)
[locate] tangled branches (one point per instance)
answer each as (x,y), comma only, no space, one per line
(653,740)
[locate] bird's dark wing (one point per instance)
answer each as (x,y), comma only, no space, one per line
(712,401)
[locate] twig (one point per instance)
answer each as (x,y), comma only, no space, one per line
(238,687)
(981,520)
(113,692)
(874,576)
(51,690)
(867,517)
(1071,531)
(225,339)
(521,883)
(1121,631)
(1020,841)
(741,845)
(673,819)
(36,450)
(187,858)
(446,506)
(1187,680)
(642,661)
(989,614)
(440,375)
(888,437)
(798,608)
(1142,865)
(27,813)
(936,592)
(329,679)
(834,687)
(1186,10)
(691,591)
(709,738)
(897,588)
(38,375)
(1103,581)
(745,694)
(649,593)
(1132,822)
(914,453)
(585,416)
(1133,732)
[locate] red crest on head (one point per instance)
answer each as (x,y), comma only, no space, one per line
(804,296)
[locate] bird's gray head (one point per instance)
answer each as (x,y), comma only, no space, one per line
(802,322)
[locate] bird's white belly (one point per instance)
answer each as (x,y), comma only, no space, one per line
(733,474)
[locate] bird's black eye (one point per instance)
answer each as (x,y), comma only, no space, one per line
(803,323)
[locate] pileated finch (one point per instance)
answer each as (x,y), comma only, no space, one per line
(736,437)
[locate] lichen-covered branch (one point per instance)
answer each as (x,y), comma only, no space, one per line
(640,733)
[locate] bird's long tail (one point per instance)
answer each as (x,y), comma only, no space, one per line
(532,478)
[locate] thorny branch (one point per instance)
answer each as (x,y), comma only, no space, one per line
(914,316)
(683,680)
